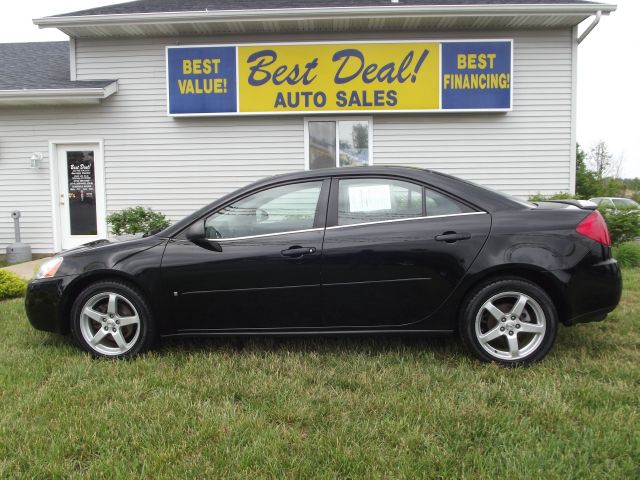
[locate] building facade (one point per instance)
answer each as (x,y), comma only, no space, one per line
(128,112)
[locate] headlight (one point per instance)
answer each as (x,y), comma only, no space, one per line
(49,268)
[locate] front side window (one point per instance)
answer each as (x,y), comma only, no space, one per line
(338,143)
(277,210)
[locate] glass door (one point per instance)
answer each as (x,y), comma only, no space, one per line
(80,194)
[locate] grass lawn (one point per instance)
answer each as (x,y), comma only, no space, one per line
(322,408)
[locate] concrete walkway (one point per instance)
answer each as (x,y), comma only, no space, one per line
(26,270)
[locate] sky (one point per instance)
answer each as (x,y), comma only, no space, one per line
(608,71)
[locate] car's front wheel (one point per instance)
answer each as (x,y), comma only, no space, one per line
(509,321)
(112,319)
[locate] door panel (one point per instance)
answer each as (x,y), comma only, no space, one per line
(395,273)
(261,267)
(250,284)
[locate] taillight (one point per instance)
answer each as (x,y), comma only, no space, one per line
(595,228)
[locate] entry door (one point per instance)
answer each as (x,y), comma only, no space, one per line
(80,202)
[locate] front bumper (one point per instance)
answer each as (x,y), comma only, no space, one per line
(43,303)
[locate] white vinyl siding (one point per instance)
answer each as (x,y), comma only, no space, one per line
(176,165)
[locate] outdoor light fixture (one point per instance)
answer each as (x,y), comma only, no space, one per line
(35,160)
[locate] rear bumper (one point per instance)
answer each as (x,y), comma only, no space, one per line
(43,302)
(593,291)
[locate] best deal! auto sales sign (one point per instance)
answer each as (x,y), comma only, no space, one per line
(340,77)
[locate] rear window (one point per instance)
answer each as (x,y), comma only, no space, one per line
(506,196)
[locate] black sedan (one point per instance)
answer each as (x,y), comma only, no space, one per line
(377,250)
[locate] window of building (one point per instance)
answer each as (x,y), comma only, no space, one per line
(343,142)
(277,210)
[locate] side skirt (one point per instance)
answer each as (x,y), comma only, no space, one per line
(303,333)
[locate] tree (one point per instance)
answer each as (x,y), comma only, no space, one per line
(602,162)
(600,159)
(587,185)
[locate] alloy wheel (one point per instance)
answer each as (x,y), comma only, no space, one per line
(110,323)
(510,325)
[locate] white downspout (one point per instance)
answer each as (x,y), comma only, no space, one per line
(590,27)
(72,59)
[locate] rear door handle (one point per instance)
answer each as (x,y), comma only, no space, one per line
(298,251)
(452,237)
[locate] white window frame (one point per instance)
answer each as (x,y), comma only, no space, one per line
(337,119)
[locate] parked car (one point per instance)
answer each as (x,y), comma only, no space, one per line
(373,250)
(616,203)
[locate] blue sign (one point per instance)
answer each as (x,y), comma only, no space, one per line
(476,75)
(202,80)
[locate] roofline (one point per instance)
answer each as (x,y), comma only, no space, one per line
(58,94)
(489,200)
(319,13)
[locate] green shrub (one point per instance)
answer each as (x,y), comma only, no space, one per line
(556,196)
(624,225)
(628,254)
(137,220)
(11,285)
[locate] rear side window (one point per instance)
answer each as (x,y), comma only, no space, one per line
(374,200)
(379,199)
(623,203)
(438,204)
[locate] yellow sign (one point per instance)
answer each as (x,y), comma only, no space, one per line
(339,77)
(265,79)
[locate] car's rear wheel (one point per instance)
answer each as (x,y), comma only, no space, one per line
(509,321)
(112,319)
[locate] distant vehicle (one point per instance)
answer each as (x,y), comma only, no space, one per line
(375,250)
(616,203)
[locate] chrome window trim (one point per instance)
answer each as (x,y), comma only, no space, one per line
(395,220)
(262,235)
(427,217)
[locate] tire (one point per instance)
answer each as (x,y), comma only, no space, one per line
(502,334)
(112,319)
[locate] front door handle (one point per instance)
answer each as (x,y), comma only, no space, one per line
(452,237)
(297,251)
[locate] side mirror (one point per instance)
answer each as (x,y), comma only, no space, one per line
(197,234)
